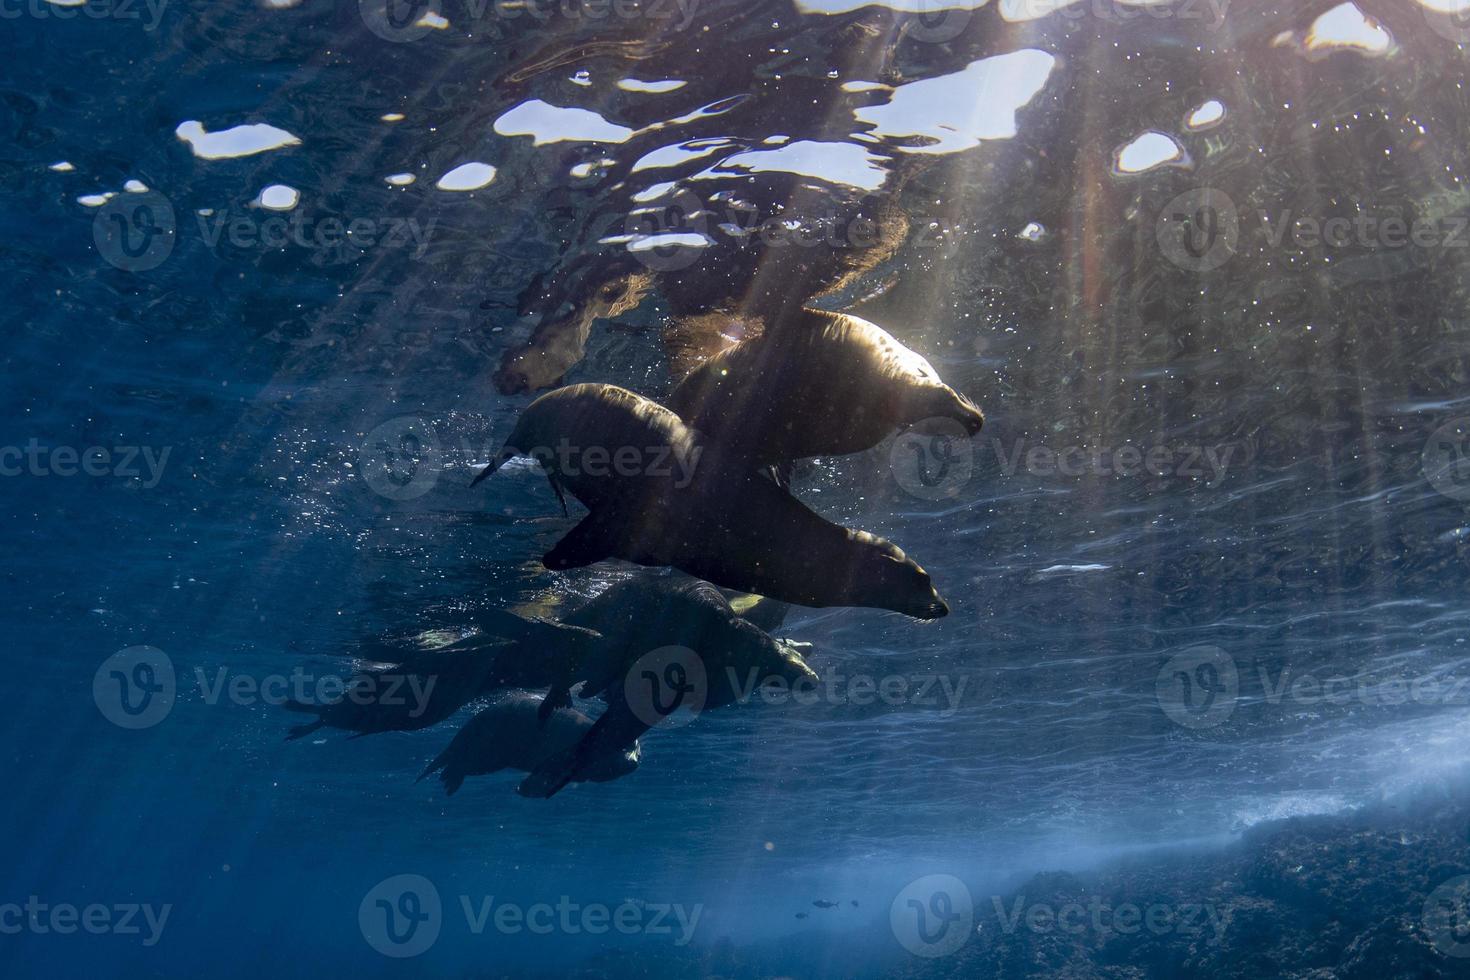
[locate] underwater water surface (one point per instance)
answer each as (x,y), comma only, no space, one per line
(1202,265)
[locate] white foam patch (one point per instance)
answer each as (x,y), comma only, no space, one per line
(400,180)
(960,110)
(679,153)
(135,187)
(1024,11)
(547,123)
(96,200)
(1051,571)
(658,87)
(237,141)
(1148,150)
(467,177)
(654,192)
(681,239)
(904,6)
(1208,114)
(1345,26)
(278,197)
(62,167)
(837,163)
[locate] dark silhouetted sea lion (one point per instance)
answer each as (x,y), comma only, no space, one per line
(735,658)
(510,734)
(415,688)
(824,384)
(681,504)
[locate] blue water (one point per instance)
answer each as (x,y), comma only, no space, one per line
(1329,381)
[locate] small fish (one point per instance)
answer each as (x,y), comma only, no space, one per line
(801,915)
(819,903)
(854,903)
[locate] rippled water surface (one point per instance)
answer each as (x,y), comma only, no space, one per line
(1203,266)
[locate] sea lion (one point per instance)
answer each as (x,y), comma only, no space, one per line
(415,688)
(509,734)
(735,657)
(682,504)
(824,384)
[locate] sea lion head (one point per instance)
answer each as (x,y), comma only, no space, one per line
(616,765)
(886,578)
(940,401)
(605,289)
(777,662)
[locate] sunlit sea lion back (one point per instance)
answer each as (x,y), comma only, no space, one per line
(823,384)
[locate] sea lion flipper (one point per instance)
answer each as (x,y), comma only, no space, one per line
(558,696)
(586,544)
(561,497)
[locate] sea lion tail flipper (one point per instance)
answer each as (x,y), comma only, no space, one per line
(551,777)
(561,497)
(557,697)
(764,612)
(586,544)
(301,731)
(616,731)
(440,761)
(506,455)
